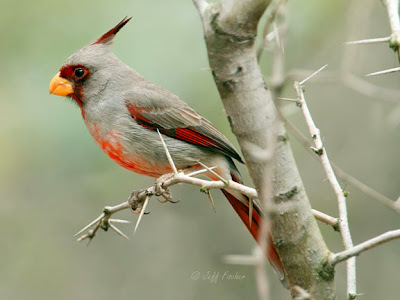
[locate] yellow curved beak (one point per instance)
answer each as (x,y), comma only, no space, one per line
(60,86)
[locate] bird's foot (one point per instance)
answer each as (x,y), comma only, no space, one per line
(160,190)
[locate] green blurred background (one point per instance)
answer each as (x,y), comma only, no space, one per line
(54,179)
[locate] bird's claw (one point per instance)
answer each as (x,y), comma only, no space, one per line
(160,190)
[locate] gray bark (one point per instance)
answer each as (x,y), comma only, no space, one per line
(230,29)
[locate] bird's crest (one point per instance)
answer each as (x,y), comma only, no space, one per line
(109,36)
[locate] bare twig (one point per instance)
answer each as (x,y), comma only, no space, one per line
(392,8)
(354,182)
(104,222)
(369,90)
(351,81)
(358,249)
(343,224)
(327,219)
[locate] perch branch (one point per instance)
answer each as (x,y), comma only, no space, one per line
(139,200)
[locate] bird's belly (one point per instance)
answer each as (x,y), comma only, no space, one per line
(113,145)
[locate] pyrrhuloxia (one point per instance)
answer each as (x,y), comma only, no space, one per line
(123,111)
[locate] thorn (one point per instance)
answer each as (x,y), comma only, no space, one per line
(80,239)
(370,41)
(384,72)
(119,221)
(312,75)
(170,160)
(142,212)
(90,224)
(199,172)
(226,182)
(89,241)
(288,99)
(115,228)
(89,235)
(211,200)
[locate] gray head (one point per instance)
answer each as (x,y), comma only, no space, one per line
(86,72)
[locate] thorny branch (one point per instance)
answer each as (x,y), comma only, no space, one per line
(364,87)
(359,85)
(347,178)
(392,8)
(341,198)
(278,79)
(350,81)
(137,200)
(104,222)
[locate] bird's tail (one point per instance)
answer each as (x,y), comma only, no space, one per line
(241,206)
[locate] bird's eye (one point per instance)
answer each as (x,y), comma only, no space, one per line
(79,72)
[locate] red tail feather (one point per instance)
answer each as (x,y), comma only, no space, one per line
(243,212)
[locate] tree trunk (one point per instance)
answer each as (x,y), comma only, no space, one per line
(230,29)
